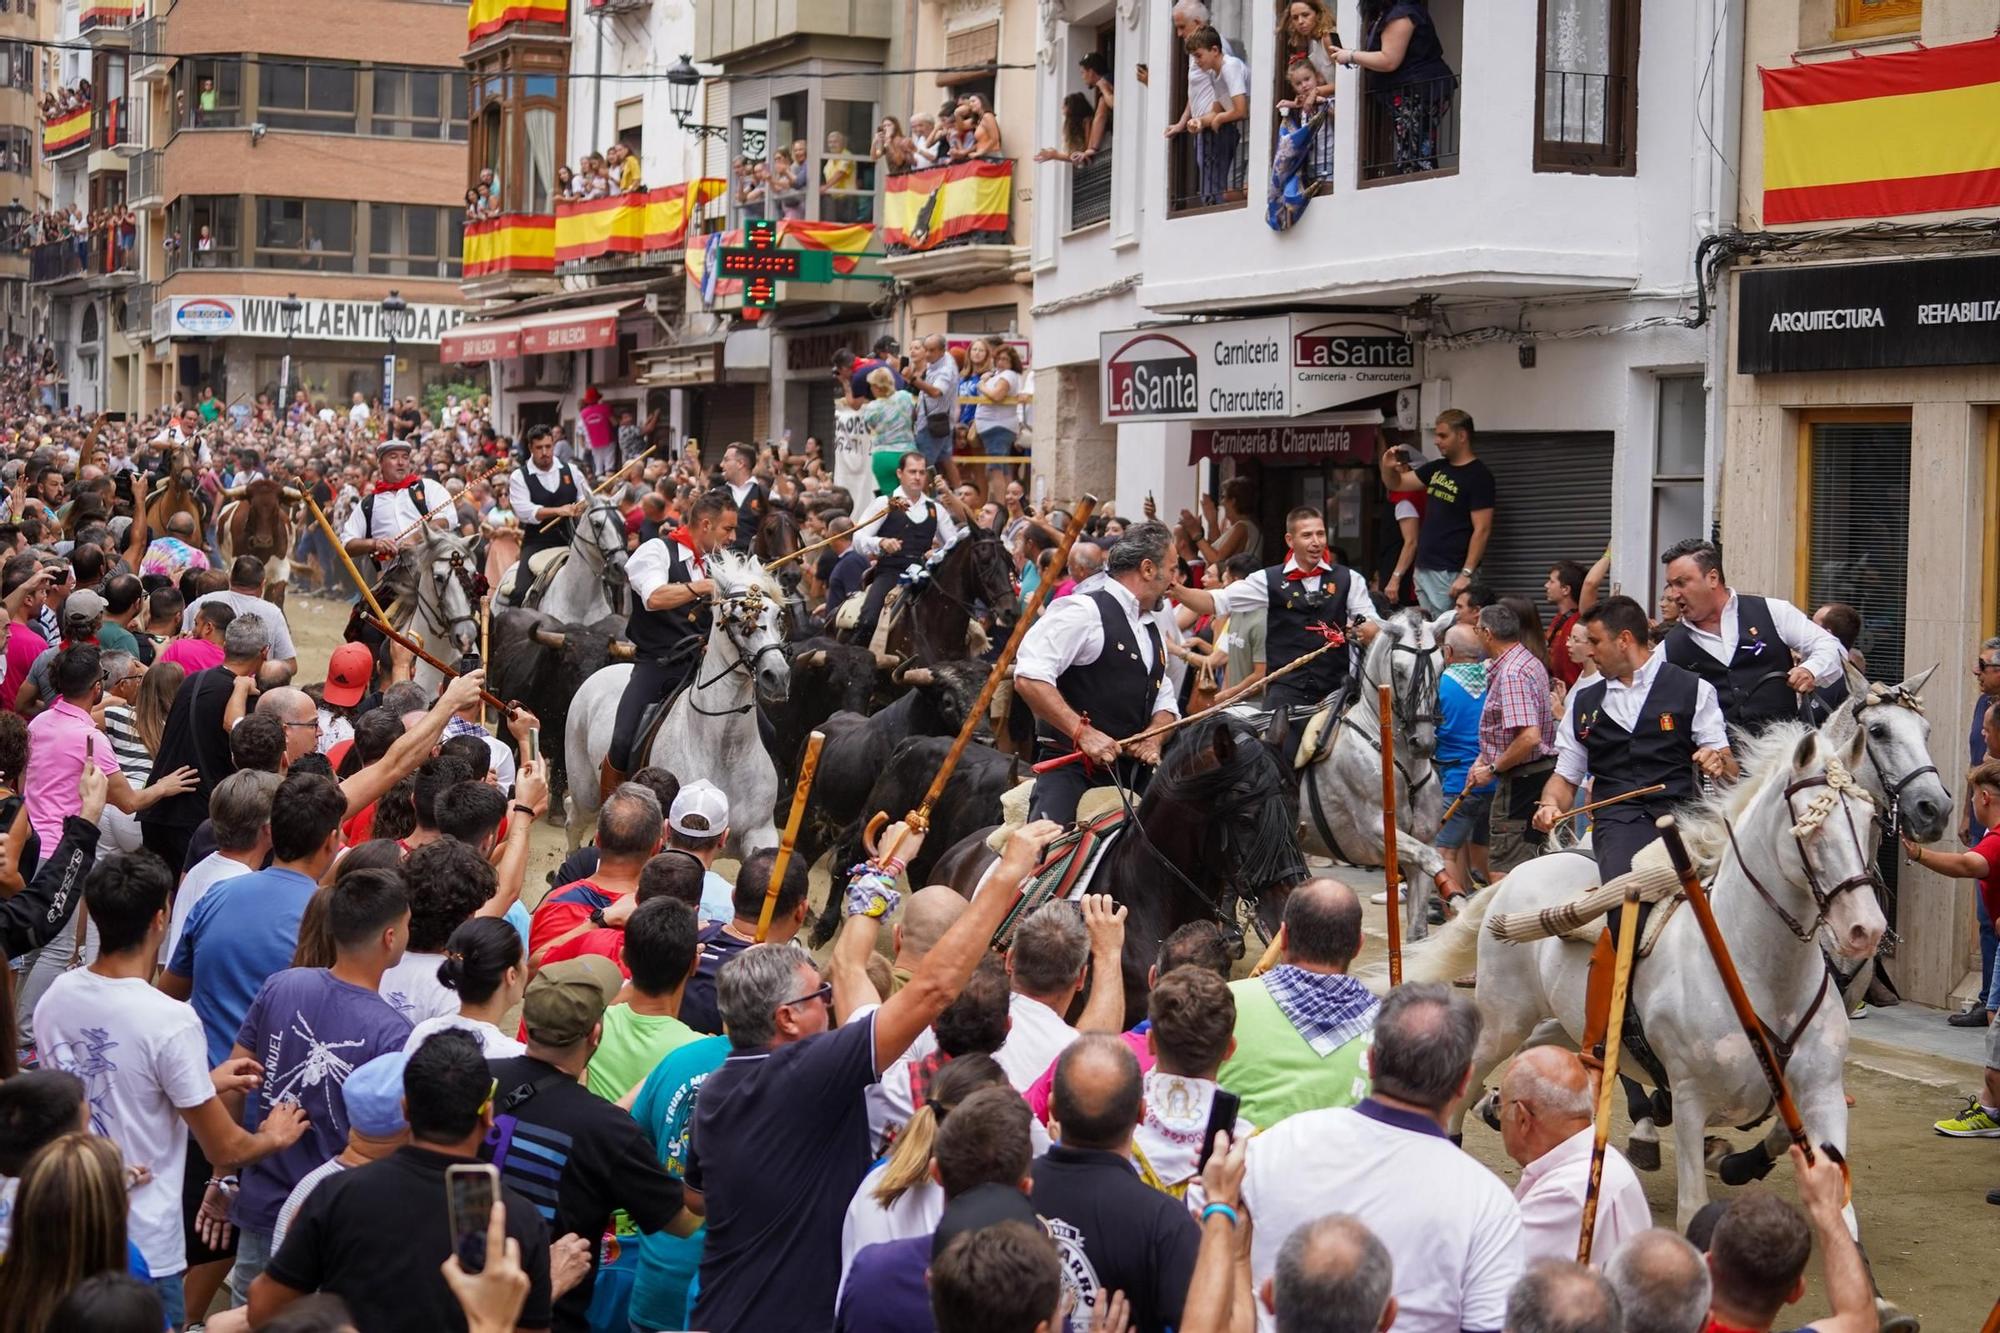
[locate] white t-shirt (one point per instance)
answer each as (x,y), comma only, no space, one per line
(867,1223)
(245,604)
(1037,1035)
(1233,79)
(143,1059)
(413,990)
(204,875)
(493,1043)
(991,416)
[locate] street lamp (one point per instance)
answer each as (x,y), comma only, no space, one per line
(291,308)
(683,82)
(394,309)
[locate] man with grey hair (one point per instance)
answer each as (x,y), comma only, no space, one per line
(1093,670)
(1333,1276)
(1562,1296)
(296,711)
(934,377)
(1452,1223)
(1662,1283)
(240,812)
(1546,1101)
(1517,732)
(1045,971)
(779,1139)
(1086,558)
(196,735)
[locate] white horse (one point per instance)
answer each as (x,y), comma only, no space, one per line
(1340,796)
(590,586)
(432,580)
(711,730)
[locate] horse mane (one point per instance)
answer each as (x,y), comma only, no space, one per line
(1764,758)
(737,573)
(1250,774)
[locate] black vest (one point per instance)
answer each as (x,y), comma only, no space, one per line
(748,515)
(565,493)
(1660,748)
(1116,692)
(915,537)
(656,633)
(1751,689)
(1287,632)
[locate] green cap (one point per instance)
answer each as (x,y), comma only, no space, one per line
(566,999)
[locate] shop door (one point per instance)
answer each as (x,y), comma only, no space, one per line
(820,399)
(1554,503)
(728,415)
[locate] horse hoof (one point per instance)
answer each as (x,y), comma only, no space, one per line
(1489,1110)
(1643,1154)
(1888,1319)
(1744,1167)
(1713,1150)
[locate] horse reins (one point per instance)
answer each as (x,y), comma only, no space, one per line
(1840,785)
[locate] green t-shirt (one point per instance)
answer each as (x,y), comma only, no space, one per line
(116,639)
(209,408)
(1276,1073)
(633,1044)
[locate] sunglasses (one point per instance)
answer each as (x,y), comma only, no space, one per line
(824,995)
(1986,666)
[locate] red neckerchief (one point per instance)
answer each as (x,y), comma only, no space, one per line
(1321,570)
(410,482)
(686,542)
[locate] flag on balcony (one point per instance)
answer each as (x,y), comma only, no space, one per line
(108,13)
(483,18)
(925,209)
(1881,136)
(59,136)
(510,243)
(630,224)
(843,238)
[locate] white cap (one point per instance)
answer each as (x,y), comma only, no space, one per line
(700,811)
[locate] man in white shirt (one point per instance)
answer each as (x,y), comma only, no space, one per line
(246,584)
(1545,1123)
(358,414)
(397,501)
(1743,645)
(144,1064)
(1451,1223)
(1045,965)
(738,463)
(240,811)
(903,539)
(542,490)
(1093,670)
(1218,126)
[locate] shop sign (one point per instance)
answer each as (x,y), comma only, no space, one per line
(1275,366)
(812,353)
(318,320)
(1927,312)
(1287,442)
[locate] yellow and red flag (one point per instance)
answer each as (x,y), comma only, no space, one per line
(1883,136)
(483,18)
(630,224)
(843,238)
(65,133)
(510,243)
(925,209)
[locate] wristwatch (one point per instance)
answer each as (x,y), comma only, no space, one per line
(597,917)
(1468,571)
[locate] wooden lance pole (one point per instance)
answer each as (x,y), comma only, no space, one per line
(485,645)
(920,818)
(604,485)
(1613,800)
(1607,1077)
(1992,1324)
(1390,871)
(801,794)
(897,504)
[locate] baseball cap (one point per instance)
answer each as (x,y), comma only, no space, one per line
(566,999)
(348,674)
(373,1095)
(700,810)
(81,606)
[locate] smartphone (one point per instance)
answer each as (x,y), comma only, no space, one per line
(534,744)
(1222,1115)
(471,1189)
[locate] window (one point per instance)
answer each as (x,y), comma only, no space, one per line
(750,178)
(17,150)
(1587,103)
(313,234)
(208,92)
(204,231)
(847,173)
(1854,538)
(518,126)
(1210,170)
(17,66)
(418,104)
(1679,434)
(307,97)
(1410,119)
(1853,19)
(790,158)
(403,239)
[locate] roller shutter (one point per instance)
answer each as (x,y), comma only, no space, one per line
(1553,502)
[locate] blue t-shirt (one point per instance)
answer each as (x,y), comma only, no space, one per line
(718,898)
(1457,735)
(242,932)
(665,1110)
(310,1030)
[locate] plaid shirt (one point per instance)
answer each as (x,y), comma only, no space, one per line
(1517,696)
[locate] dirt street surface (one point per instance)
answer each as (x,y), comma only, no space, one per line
(1920,1197)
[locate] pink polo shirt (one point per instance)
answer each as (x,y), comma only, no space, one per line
(22,650)
(55,760)
(192,654)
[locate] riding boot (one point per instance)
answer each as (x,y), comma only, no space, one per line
(608,781)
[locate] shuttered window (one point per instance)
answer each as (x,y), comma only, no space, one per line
(1553,502)
(1858,530)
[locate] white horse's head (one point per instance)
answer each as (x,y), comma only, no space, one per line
(600,534)
(1896,764)
(749,609)
(445,570)
(1405,654)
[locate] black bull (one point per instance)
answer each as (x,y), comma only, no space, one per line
(544,679)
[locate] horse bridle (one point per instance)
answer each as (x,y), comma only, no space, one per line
(1898,697)
(1840,785)
(614,587)
(428,579)
(1404,710)
(742,609)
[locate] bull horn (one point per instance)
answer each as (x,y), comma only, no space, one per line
(234,492)
(622,651)
(917,676)
(548,638)
(292,494)
(812,661)
(887,662)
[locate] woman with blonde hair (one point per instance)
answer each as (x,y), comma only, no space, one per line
(155,701)
(891,421)
(68,1225)
(997,416)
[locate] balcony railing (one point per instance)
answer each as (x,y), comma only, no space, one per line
(965,203)
(149,47)
(630,226)
(115,123)
(1588,122)
(113,251)
(142,182)
(1410,131)
(52,261)
(1090,192)
(1208,170)
(108,15)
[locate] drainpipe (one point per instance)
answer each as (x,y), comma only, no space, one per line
(597,93)
(1717,174)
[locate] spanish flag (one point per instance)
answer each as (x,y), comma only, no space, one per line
(72,131)
(845,238)
(510,243)
(1883,136)
(483,18)
(108,12)
(925,209)
(630,224)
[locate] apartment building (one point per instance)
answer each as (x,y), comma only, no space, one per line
(23,176)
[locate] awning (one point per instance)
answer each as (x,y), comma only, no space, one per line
(486,340)
(572,330)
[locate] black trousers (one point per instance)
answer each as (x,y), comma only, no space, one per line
(166,841)
(1058,790)
(652,679)
(887,575)
(524,579)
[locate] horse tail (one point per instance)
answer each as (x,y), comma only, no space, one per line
(1443,956)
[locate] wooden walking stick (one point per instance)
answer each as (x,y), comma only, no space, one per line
(920,818)
(485,645)
(1607,1077)
(1613,800)
(801,793)
(1391,872)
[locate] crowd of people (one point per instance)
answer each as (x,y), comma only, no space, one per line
(59,102)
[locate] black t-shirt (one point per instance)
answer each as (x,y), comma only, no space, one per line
(376,1235)
(1455,493)
(577,1158)
(1115,1233)
(779,1145)
(698,1007)
(193,737)
(579,864)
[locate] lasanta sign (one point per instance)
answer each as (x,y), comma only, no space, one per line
(1241,369)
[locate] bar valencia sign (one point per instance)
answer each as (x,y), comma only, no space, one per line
(1242,369)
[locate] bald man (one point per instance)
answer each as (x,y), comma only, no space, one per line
(1662,1283)
(1332,1264)
(1546,1101)
(927,915)
(295,709)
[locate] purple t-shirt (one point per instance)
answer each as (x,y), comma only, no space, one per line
(310,1030)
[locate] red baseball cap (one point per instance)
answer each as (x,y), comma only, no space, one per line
(348,674)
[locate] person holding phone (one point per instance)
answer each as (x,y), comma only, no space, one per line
(1192,1018)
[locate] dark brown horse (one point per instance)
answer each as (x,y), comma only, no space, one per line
(256,521)
(936,612)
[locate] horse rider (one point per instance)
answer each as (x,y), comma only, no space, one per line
(1308,597)
(1093,669)
(1743,645)
(745,492)
(394,505)
(541,490)
(669,624)
(901,540)
(1646,721)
